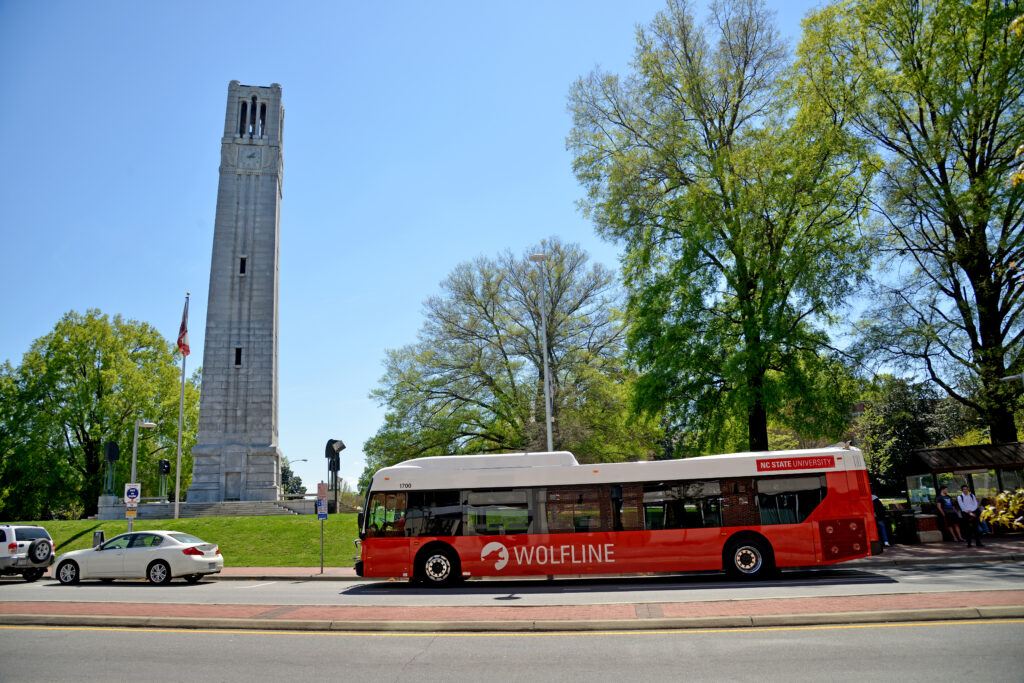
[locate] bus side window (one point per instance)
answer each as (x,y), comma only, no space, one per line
(789,500)
(682,505)
(498,512)
(433,513)
(664,507)
(627,507)
(578,509)
(444,514)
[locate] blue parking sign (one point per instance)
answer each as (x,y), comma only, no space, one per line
(132,493)
(321,508)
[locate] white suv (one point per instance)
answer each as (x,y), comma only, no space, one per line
(25,550)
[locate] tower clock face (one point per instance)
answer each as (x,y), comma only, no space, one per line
(249,157)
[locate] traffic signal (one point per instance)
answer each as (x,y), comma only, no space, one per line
(165,467)
(111,452)
(331,452)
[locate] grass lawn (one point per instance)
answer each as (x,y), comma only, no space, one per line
(276,541)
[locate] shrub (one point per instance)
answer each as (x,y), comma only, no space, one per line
(1008,511)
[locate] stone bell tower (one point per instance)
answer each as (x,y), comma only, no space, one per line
(236,456)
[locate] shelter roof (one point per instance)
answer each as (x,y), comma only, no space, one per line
(952,459)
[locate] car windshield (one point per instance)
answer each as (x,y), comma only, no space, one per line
(185,538)
(30,533)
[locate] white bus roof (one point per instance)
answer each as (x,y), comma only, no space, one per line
(560,468)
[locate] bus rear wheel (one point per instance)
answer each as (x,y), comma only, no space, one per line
(749,558)
(439,566)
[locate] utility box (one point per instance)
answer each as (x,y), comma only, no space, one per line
(98,537)
(906,526)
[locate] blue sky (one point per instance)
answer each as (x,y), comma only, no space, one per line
(418,135)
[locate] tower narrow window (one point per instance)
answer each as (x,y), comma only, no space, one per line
(241,265)
(238,356)
(252,117)
(263,118)
(243,117)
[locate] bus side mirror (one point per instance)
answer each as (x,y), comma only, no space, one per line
(359,520)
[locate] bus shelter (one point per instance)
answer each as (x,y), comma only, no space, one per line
(986,469)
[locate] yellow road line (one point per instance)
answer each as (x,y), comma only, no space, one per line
(532,634)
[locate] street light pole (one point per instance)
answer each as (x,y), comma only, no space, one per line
(539,260)
(135,455)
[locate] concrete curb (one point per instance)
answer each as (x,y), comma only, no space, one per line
(524,626)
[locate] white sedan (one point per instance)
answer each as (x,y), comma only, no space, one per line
(155,555)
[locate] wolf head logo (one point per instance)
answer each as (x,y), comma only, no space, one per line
(502,554)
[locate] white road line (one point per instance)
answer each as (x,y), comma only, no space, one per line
(257,585)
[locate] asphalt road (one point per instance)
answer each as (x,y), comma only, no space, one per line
(935,651)
(816,583)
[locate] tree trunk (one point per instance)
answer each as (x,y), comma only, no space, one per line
(998,400)
(757,427)
(93,485)
(757,417)
(997,397)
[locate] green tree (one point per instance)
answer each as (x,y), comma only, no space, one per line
(474,381)
(938,87)
(899,417)
(290,483)
(737,204)
(81,385)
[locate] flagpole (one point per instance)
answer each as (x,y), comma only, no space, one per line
(181,412)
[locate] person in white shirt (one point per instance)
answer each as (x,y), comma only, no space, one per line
(970,509)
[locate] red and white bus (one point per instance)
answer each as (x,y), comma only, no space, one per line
(443,519)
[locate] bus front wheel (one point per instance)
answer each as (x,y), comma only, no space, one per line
(749,558)
(439,566)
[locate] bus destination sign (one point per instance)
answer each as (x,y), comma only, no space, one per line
(789,464)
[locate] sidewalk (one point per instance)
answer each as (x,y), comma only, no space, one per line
(737,613)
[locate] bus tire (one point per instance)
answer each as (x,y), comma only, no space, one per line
(438,566)
(748,557)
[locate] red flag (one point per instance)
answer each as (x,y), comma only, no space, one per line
(183,331)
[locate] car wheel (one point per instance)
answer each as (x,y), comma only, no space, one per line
(158,573)
(193,578)
(68,573)
(33,574)
(39,551)
(749,558)
(440,566)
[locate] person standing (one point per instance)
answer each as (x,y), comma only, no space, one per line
(949,513)
(969,510)
(880,520)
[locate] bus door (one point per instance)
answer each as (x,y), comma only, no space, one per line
(386,548)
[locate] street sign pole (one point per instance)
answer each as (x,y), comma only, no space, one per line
(321,513)
(132,494)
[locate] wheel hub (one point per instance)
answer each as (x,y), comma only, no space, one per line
(438,568)
(748,560)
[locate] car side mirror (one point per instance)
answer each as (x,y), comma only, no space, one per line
(359,520)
